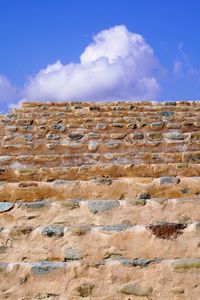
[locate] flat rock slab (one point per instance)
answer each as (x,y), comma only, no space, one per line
(6,206)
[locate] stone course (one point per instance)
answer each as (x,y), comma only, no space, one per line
(100,201)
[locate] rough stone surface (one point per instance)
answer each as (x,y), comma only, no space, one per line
(102,205)
(136,290)
(100,201)
(72,254)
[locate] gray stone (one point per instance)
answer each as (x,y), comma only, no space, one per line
(97,206)
(34,205)
(144,196)
(59,182)
(116,228)
(117,125)
(173,125)
(170,103)
(55,230)
(169,180)
(166,113)
(186,263)
(44,267)
(5,158)
(71,204)
(3,266)
(157,125)
(139,262)
(72,254)
(28,137)
(175,136)
(138,135)
(92,135)
(52,136)
(58,127)
(75,136)
(136,290)
(101,126)
(6,206)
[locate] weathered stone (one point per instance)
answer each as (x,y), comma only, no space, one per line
(79,230)
(71,144)
(166,113)
(3,249)
(195,136)
(173,125)
(157,125)
(145,196)
(186,263)
(85,289)
(92,146)
(183,219)
(101,126)
(5,158)
(75,136)
(6,206)
(71,204)
(3,266)
(117,125)
(136,290)
(54,230)
(139,262)
(95,108)
(119,136)
(18,232)
(93,135)
(175,136)
(34,204)
(137,135)
(109,156)
(44,267)
(131,125)
(58,127)
(52,136)
(72,254)
(97,206)
(170,103)
(112,144)
(116,228)
(178,291)
(105,180)
(167,230)
(155,136)
(28,184)
(169,180)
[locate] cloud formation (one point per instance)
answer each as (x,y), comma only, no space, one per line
(183,67)
(117,65)
(7,91)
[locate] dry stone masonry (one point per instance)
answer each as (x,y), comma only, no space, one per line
(100,201)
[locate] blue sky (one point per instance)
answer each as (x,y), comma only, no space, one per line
(38,33)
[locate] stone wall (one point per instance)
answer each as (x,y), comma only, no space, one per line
(100,201)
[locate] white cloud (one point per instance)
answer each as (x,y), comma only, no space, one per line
(118,64)
(178,69)
(7,91)
(183,67)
